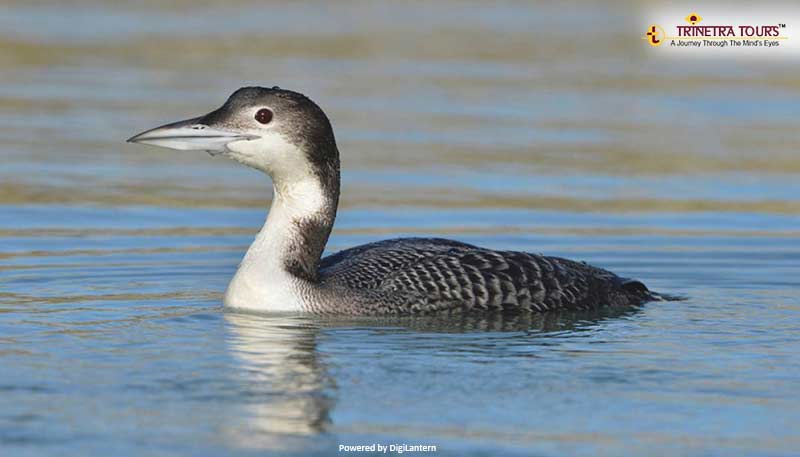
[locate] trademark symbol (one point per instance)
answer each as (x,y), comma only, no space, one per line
(783,26)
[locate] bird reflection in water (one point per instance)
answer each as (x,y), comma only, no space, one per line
(287,394)
(285,389)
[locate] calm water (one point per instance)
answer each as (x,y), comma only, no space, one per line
(499,125)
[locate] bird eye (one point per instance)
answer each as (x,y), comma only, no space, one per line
(264,116)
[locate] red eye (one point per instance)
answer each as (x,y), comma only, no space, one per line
(264,116)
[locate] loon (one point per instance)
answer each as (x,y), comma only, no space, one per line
(287,136)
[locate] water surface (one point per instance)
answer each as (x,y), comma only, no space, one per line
(493,124)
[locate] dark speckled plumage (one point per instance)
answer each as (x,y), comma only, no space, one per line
(424,275)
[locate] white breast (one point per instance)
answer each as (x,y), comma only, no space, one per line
(253,288)
(262,283)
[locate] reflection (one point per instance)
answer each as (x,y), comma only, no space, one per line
(284,384)
(553,321)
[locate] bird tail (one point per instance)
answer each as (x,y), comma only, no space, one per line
(639,290)
(657,296)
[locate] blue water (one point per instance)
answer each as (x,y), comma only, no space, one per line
(537,127)
(114,341)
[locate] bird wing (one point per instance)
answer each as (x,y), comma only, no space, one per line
(430,274)
(368,265)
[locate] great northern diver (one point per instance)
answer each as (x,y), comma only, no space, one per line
(287,136)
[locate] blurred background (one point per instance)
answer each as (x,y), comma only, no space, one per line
(546,127)
(552,106)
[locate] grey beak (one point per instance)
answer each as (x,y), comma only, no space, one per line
(189,135)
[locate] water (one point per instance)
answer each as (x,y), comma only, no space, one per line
(494,124)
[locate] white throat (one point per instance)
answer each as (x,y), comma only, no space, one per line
(262,282)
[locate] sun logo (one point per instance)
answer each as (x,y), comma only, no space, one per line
(693,18)
(654,35)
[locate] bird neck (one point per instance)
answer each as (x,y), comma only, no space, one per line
(281,266)
(297,228)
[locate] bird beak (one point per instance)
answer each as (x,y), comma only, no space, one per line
(190,135)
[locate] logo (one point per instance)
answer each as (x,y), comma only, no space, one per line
(696,35)
(693,18)
(655,35)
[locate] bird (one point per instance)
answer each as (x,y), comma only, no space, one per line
(288,136)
